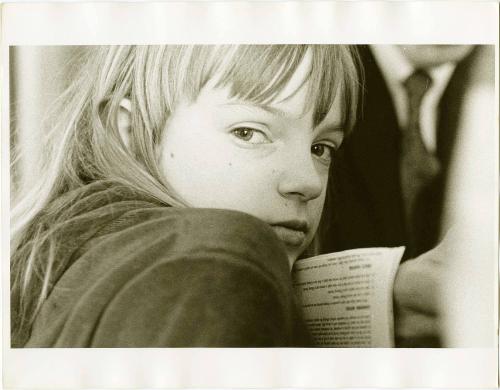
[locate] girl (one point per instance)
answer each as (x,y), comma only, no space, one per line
(181,184)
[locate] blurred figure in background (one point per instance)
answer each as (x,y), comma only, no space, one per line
(421,160)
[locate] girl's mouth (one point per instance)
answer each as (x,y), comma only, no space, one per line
(292,233)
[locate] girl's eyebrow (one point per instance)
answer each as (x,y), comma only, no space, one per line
(264,107)
(330,129)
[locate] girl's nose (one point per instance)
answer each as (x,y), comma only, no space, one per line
(300,178)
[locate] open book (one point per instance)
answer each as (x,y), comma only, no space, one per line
(346,297)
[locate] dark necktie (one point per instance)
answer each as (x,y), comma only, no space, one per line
(418,167)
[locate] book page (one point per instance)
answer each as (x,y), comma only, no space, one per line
(346,297)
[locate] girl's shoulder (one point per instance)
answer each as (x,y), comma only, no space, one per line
(115,215)
(142,256)
(111,220)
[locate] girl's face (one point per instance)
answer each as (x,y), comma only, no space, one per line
(265,160)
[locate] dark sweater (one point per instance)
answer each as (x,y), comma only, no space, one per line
(144,275)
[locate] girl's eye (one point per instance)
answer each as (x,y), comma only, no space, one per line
(323,152)
(250,135)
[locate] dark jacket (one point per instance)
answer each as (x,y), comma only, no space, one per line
(144,275)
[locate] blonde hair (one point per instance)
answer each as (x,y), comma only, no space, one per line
(83,144)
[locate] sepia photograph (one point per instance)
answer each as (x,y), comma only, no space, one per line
(177,196)
(195,197)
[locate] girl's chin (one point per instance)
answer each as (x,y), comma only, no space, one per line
(292,258)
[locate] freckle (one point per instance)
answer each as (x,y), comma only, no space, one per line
(230,164)
(171,155)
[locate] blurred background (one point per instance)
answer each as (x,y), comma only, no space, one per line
(38,75)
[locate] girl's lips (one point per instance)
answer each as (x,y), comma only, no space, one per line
(291,237)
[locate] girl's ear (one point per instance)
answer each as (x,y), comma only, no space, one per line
(124,121)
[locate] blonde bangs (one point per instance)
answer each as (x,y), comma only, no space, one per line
(259,73)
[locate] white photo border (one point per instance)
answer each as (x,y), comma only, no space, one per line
(201,22)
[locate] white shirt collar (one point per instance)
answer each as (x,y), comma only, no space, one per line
(394,65)
(395,69)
